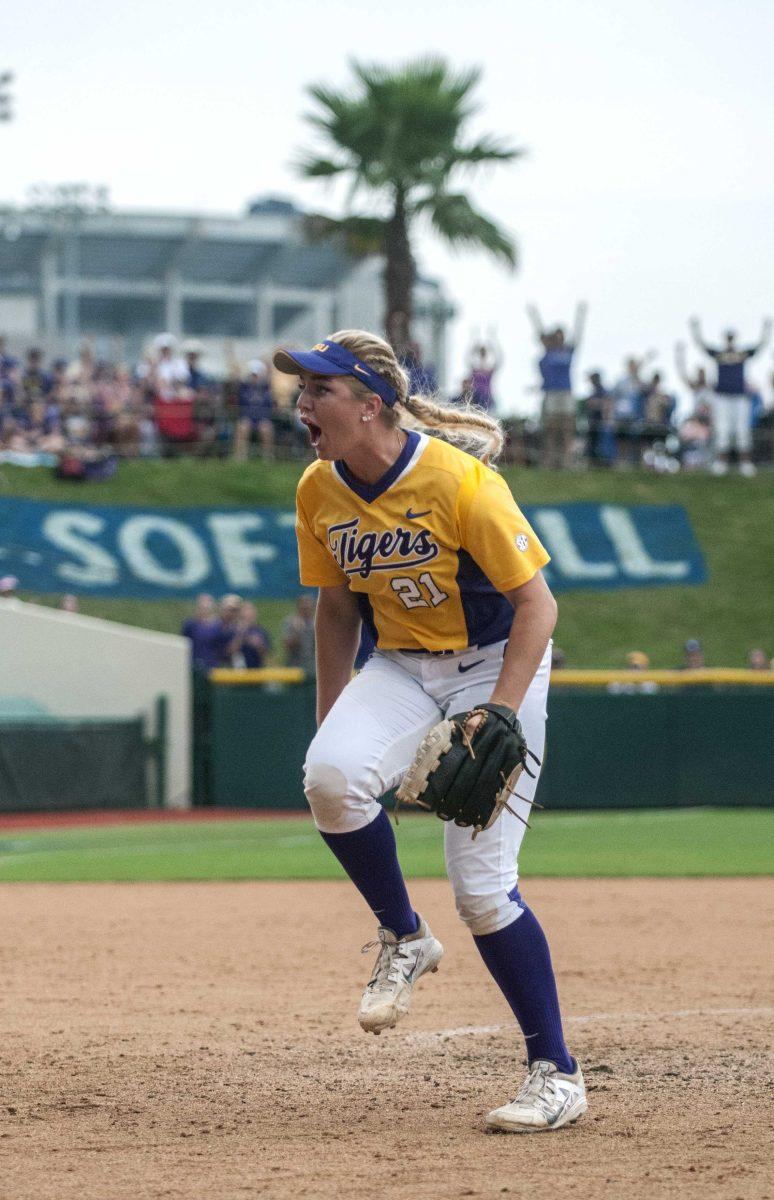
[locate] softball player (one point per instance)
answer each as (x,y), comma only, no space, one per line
(415,537)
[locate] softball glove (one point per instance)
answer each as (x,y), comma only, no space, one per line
(468,778)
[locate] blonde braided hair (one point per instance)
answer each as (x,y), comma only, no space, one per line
(466,425)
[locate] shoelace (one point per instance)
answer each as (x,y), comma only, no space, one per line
(539,1084)
(387,969)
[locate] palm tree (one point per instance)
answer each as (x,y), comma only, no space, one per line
(398,137)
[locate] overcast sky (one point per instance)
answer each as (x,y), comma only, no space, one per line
(648,187)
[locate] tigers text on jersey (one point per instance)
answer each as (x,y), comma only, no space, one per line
(428,549)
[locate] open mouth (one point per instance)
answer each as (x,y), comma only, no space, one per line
(313,430)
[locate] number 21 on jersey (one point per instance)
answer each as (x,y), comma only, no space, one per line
(428,595)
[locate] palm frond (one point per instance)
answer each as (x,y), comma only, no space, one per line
(319,168)
(456,220)
(485,150)
(360,235)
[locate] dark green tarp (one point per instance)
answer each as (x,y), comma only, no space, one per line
(47,765)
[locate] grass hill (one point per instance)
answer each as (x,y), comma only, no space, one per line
(733,520)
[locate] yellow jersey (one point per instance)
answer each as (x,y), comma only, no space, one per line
(428,550)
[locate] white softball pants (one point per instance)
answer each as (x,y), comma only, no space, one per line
(367,741)
(731,417)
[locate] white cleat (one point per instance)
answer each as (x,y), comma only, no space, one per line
(400,964)
(547,1100)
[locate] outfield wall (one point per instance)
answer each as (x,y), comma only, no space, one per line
(79,666)
(704,738)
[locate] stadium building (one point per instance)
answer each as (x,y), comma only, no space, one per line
(118,278)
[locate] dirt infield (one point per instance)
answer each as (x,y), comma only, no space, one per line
(199,1041)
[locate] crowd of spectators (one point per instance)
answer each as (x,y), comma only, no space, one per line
(86,412)
(167,404)
(634,421)
(227,634)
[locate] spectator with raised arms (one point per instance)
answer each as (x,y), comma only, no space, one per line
(555,366)
(732,404)
(484,360)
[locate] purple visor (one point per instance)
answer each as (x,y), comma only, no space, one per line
(331,358)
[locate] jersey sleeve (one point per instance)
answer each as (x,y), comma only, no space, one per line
(495,532)
(316,565)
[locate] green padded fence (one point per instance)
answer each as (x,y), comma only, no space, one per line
(258,739)
(672,749)
(49,764)
(699,745)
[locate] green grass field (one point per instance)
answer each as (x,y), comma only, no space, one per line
(733,520)
(680,842)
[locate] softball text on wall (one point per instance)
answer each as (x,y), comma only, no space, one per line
(154,553)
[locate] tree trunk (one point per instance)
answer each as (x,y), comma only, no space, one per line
(398,278)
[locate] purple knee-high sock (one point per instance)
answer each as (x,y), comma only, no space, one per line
(520,963)
(370,858)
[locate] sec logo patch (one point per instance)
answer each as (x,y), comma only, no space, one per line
(522,541)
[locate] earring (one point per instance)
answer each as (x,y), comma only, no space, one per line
(366,417)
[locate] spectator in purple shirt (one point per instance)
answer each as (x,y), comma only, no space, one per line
(732,405)
(558,411)
(196,377)
(250,642)
(484,360)
(598,410)
(256,405)
(205,634)
(228,628)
